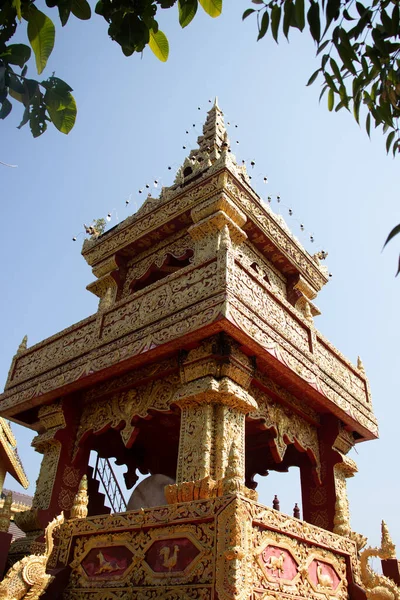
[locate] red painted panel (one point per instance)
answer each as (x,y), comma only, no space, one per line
(166,556)
(103,563)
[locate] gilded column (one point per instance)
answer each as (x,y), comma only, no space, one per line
(342,471)
(214,402)
(320,498)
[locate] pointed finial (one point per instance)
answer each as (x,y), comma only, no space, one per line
(276,503)
(23,345)
(296,511)
(79,508)
(5,513)
(360,365)
(387,544)
(216,102)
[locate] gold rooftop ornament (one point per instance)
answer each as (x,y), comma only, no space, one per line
(79,508)
(203,369)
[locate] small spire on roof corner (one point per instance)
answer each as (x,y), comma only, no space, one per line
(360,365)
(23,345)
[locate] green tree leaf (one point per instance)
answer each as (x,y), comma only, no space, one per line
(314,20)
(264,25)
(16,54)
(288,13)
(247,13)
(313,77)
(391,235)
(81,9)
(187,10)
(368,124)
(335,70)
(41,35)
(389,141)
(62,110)
(275,20)
(17,6)
(5,108)
(331,100)
(212,7)
(323,46)
(159,45)
(299,13)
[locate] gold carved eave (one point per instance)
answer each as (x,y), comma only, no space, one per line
(311,386)
(132,332)
(114,359)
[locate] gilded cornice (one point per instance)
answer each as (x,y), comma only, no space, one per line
(162,313)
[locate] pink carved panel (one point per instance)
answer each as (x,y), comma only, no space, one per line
(278,563)
(323,575)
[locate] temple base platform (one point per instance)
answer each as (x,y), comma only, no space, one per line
(225,548)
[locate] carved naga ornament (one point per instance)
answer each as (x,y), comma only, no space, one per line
(379,587)
(27,579)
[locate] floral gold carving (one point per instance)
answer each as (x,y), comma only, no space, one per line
(123,406)
(233,568)
(289,428)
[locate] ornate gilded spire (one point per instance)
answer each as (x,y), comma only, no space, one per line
(215,137)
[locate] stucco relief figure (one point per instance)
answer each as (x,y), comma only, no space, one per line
(150,492)
(169,561)
(324,579)
(276,564)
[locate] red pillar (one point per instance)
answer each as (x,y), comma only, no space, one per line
(319,499)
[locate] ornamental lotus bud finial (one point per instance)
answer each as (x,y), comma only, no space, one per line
(79,508)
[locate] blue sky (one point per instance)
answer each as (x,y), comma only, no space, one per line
(133,114)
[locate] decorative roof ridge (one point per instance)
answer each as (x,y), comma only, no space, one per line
(54,336)
(8,432)
(12,454)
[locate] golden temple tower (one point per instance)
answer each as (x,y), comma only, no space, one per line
(202,365)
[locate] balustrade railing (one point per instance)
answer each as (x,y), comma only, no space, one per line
(104,473)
